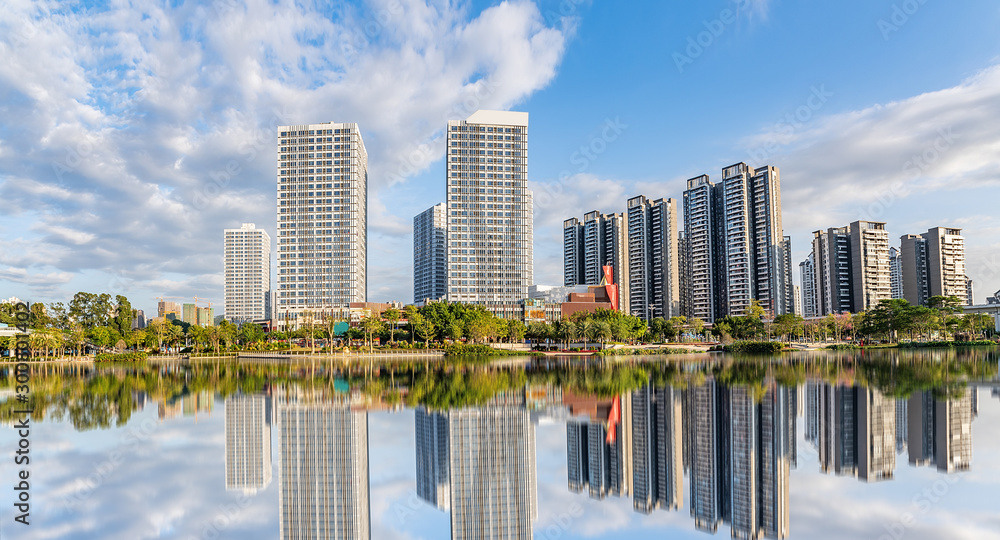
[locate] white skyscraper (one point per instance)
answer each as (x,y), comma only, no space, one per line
(248,272)
(248,442)
(489,209)
(322,218)
(430,266)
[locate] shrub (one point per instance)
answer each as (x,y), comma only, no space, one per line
(842,347)
(121,357)
(754,347)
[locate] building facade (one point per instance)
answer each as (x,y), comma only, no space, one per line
(490,215)
(870,261)
(600,240)
(895,273)
(653,280)
(700,222)
(737,250)
(247,256)
(932,264)
(322,217)
(430,264)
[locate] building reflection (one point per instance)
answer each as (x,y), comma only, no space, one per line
(479,463)
(858,431)
(323,472)
(248,442)
(736,443)
(940,430)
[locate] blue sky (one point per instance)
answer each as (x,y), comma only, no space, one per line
(121,118)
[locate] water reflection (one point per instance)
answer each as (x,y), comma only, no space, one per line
(634,433)
(323,491)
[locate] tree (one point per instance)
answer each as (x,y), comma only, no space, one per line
(755,311)
(888,318)
(59,317)
(515,331)
(787,325)
(122,321)
(422,327)
(455,330)
(392,316)
(39,317)
(602,331)
(697,325)
(947,307)
(90,310)
(249,333)
(370,326)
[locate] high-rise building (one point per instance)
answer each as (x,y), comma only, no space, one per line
(700,222)
(870,261)
(737,249)
(914,269)
(797,300)
(970,298)
(324,471)
(494,493)
(744,433)
(895,273)
(833,278)
(248,442)
(901,423)
(572,252)
(849,269)
(248,273)
(933,264)
(430,263)
(788,273)
(600,240)
(189,313)
(807,269)
(653,280)
(946,263)
(322,218)
(489,209)
(432,445)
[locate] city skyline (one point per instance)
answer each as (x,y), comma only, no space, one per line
(95,164)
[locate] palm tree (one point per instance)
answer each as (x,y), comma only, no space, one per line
(392,316)
(603,331)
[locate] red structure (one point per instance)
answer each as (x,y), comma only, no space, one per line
(611,289)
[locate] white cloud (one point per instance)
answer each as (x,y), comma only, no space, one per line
(139,132)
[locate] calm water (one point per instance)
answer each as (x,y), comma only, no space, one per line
(823,445)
